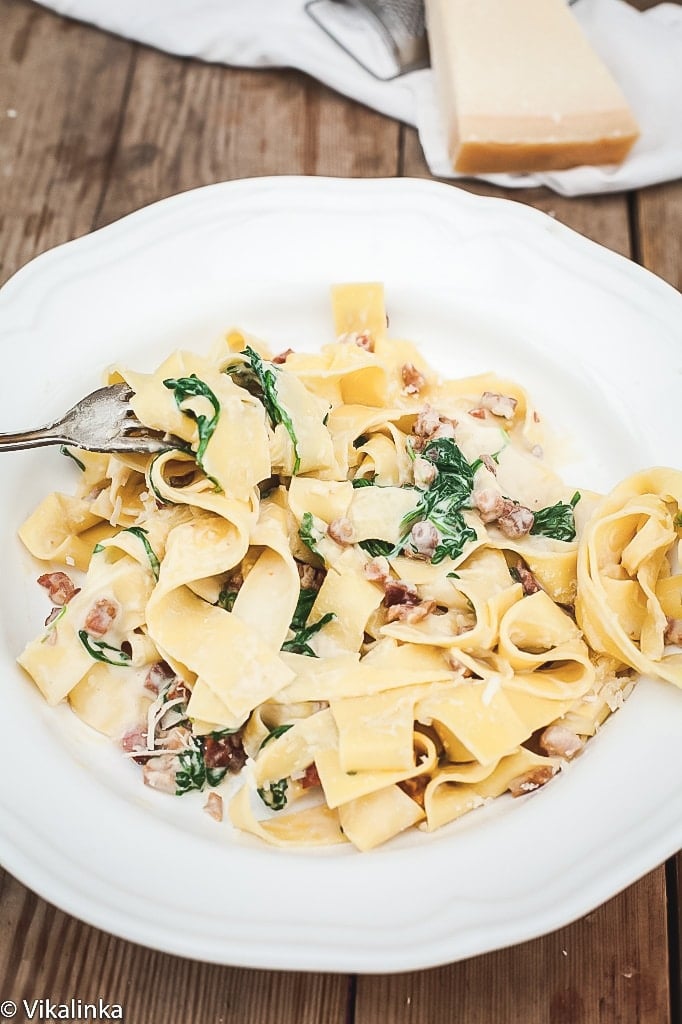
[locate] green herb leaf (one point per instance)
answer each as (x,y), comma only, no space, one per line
(97,548)
(274,794)
(226,598)
(306,600)
(362,481)
(214,776)
(275,733)
(299,643)
(96,649)
(309,533)
(377,548)
(677,521)
(262,383)
(556,521)
(69,454)
(442,502)
(192,771)
(185,388)
(141,534)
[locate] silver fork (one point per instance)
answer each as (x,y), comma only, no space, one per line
(101,422)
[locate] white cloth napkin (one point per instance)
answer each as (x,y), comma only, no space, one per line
(643,51)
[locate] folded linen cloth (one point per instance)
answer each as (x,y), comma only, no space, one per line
(643,50)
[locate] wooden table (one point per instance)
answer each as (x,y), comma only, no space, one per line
(92,127)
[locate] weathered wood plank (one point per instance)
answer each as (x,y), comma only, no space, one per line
(61,87)
(658,221)
(45,953)
(190,124)
(605,968)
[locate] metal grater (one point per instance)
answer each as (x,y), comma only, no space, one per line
(398,25)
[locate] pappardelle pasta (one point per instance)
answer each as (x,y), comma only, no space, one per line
(353,597)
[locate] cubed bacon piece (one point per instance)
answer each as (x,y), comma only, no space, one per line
(377,570)
(282,357)
(158,677)
(412,379)
(532,780)
(410,613)
(400,592)
(310,778)
(424,539)
(310,576)
(135,740)
(424,472)
(214,804)
(430,425)
(160,772)
(179,689)
(560,741)
(225,752)
(427,422)
(341,530)
(177,739)
(489,463)
(365,340)
(489,503)
(477,413)
(101,616)
(59,586)
(499,405)
(516,521)
(526,579)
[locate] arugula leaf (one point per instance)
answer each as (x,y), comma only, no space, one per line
(299,643)
(262,383)
(139,532)
(192,771)
(362,481)
(69,454)
(453,541)
(442,502)
(449,460)
(274,794)
(309,533)
(376,548)
(191,387)
(306,600)
(556,521)
(275,733)
(97,548)
(677,521)
(226,598)
(96,649)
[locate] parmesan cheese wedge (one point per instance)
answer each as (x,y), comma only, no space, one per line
(521,88)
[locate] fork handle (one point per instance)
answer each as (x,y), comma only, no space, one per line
(33,438)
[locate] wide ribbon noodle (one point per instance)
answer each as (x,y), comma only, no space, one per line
(351,597)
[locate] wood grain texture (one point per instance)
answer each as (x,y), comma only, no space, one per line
(604,969)
(62,87)
(46,953)
(190,124)
(658,223)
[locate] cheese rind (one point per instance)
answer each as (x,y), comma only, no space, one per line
(521,88)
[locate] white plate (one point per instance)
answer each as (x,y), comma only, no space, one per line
(479,283)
